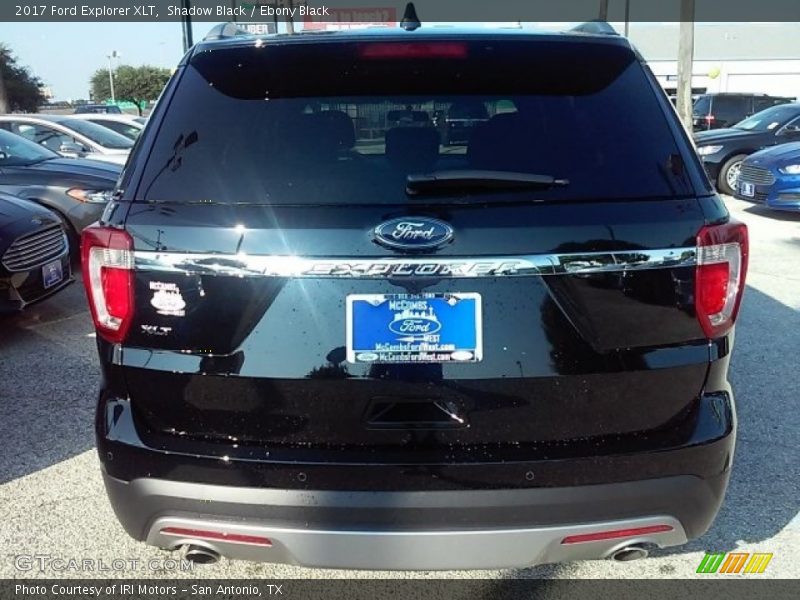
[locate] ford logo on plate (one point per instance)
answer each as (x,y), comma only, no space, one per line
(413,233)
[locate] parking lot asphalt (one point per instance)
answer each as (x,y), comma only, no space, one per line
(52,501)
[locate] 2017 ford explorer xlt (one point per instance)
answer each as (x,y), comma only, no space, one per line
(329,339)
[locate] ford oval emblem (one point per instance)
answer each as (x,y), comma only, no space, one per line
(413,233)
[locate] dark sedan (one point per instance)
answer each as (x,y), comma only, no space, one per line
(34,253)
(76,189)
(723,150)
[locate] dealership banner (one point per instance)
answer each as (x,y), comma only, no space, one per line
(387,12)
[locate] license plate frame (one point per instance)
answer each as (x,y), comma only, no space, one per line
(52,274)
(427,328)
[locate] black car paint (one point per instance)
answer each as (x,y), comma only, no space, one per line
(614,383)
(740,141)
(19,217)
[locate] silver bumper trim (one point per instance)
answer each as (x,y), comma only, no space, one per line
(243,265)
(415,550)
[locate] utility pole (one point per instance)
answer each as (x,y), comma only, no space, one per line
(603,14)
(685,60)
(627,17)
(289,21)
(186,24)
(3,96)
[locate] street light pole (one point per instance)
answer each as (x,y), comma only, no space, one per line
(186,25)
(113,54)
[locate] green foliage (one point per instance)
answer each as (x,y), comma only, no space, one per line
(101,89)
(131,84)
(22,92)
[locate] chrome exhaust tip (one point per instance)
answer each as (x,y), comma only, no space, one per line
(629,553)
(200,555)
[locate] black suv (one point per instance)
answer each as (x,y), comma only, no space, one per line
(715,111)
(331,340)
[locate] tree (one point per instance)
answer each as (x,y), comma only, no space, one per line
(101,90)
(20,89)
(131,84)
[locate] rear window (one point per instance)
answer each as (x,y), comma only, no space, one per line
(731,107)
(769,119)
(702,106)
(346,123)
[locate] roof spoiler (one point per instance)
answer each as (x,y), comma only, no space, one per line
(224,31)
(596,27)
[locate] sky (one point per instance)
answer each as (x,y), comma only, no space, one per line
(65,55)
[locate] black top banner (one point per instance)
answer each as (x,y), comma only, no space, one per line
(315,14)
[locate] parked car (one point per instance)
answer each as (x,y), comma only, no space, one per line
(70,137)
(97,109)
(723,150)
(717,111)
(126,125)
(772,177)
(76,189)
(34,254)
(389,354)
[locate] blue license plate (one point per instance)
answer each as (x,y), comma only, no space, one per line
(52,273)
(414,328)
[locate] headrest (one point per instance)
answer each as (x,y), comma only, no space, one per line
(412,148)
(338,125)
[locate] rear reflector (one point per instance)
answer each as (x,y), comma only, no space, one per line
(722,252)
(217,536)
(107,262)
(615,534)
(383,50)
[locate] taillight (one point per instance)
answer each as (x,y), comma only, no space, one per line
(722,252)
(107,262)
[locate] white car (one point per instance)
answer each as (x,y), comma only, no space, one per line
(128,125)
(70,137)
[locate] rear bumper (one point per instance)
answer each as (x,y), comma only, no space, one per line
(416,530)
(435,516)
(320,509)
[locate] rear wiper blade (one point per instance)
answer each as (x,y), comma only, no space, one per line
(473,180)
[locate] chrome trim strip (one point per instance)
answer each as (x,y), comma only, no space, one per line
(244,265)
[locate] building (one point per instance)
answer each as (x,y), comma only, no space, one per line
(729,57)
